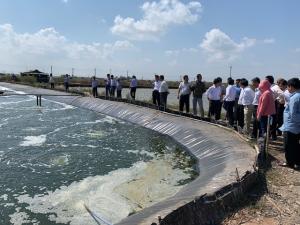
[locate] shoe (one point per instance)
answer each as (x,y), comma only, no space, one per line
(286,165)
(252,136)
(274,138)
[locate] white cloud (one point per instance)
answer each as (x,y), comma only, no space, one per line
(269,41)
(65,1)
(48,45)
(157,17)
(219,46)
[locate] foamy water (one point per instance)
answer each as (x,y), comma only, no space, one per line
(56,158)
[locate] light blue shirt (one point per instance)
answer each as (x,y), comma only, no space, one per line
(256,97)
(291,116)
(238,91)
(133,83)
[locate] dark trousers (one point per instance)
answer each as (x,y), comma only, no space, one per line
(273,127)
(112,91)
(292,148)
(156,97)
(132,92)
(67,86)
(107,90)
(228,105)
(240,115)
(119,93)
(52,85)
(213,110)
(256,126)
(263,125)
(95,92)
(279,111)
(184,100)
(235,109)
(163,100)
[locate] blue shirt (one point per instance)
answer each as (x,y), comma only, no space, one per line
(238,91)
(291,116)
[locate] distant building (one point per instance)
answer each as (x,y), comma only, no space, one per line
(40,76)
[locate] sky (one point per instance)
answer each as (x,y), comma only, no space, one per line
(143,38)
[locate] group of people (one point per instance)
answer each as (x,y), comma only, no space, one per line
(250,107)
(113,85)
(261,104)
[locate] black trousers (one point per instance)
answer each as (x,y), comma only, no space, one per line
(279,111)
(52,85)
(67,86)
(240,115)
(132,92)
(95,92)
(255,123)
(156,97)
(228,105)
(214,109)
(184,100)
(292,148)
(112,91)
(107,90)
(119,93)
(273,127)
(163,100)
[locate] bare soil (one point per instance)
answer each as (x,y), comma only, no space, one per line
(276,198)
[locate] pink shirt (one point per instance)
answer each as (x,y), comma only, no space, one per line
(266,104)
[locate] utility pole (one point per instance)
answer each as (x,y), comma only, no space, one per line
(72,72)
(127,74)
(51,69)
(230,71)
(110,71)
(95,72)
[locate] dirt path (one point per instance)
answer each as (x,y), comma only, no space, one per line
(276,198)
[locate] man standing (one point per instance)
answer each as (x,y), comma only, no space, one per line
(246,99)
(107,86)
(95,86)
(214,97)
(237,108)
(229,101)
(119,88)
(163,92)
(67,82)
(256,127)
(184,92)
(113,86)
(51,81)
(291,126)
(133,86)
(155,93)
(198,89)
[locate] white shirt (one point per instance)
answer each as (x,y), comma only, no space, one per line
(51,80)
(230,93)
(256,97)
(94,83)
(287,96)
(276,91)
(156,85)
(119,85)
(214,93)
(113,83)
(163,87)
(247,96)
(184,88)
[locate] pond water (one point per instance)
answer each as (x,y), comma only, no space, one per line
(56,158)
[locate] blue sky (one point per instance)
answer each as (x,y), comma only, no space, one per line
(170,37)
